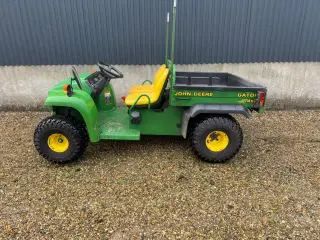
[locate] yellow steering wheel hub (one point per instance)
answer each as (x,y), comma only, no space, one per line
(58,142)
(217,141)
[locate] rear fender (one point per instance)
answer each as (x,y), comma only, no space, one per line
(83,103)
(210,109)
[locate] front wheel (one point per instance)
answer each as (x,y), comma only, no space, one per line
(217,139)
(60,139)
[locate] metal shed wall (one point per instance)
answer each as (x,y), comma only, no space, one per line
(43,32)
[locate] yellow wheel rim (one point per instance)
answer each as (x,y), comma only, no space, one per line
(58,142)
(217,141)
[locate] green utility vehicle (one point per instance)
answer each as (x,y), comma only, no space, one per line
(194,105)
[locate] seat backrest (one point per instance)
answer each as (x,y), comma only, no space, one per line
(159,74)
(159,85)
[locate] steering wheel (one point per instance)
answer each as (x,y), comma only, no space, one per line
(76,77)
(109,71)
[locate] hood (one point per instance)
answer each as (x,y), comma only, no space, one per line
(59,85)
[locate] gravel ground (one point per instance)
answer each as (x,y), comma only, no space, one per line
(157,189)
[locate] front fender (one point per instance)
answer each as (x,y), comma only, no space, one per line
(83,103)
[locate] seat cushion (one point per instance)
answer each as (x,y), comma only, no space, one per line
(149,87)
(154,95)
(141,88)
(132,97)
(159,73)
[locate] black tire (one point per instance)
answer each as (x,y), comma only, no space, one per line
(225,124)
(75,133)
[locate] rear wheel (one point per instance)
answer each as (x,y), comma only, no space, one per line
(217,139)
(60,139)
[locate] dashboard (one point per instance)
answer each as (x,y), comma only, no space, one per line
(93,79)
(96,82)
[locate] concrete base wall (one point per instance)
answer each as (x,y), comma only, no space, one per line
(290,85)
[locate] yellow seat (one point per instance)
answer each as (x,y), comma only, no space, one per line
(153,95)
(141,88)
(148,88)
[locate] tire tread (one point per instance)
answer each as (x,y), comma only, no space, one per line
(201,126)
(79,136)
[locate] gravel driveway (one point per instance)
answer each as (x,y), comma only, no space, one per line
(157,189)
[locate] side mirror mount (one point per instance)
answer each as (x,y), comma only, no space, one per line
(69,90)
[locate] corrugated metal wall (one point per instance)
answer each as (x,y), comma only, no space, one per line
(37,32)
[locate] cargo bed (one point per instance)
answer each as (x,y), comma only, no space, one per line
(213,81)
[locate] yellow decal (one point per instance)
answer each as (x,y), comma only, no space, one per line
(183,94)
(246,101)
(195,94)
(245,95)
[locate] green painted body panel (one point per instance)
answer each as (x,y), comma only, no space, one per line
(83,103)
(261,110)
(190,98)
(80,101)
(101,100)
(82,76)
(166,122)
(115,124)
